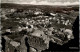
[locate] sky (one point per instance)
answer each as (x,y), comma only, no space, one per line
(43,2)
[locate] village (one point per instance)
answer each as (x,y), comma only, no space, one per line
(37,26)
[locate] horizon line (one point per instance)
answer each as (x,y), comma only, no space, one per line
(47,3)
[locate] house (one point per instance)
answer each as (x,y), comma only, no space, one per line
(52,14)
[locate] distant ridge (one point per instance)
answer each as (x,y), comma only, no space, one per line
(34,5)
(25,6)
